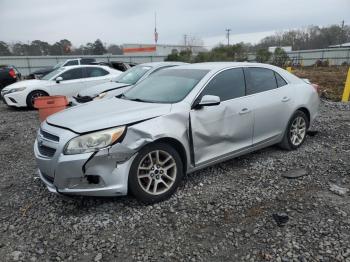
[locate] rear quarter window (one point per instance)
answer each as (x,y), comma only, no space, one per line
(280,81)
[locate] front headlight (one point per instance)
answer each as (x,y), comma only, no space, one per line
(100,96)
(94,141)
(13,90)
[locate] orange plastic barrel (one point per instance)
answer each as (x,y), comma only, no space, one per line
(48,105)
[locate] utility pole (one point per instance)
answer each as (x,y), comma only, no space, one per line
(342,33)
(228,36)
(155,29)
(185,40)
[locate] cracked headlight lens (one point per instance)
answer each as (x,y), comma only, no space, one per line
(94,141)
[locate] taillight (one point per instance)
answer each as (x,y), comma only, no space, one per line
(12,73)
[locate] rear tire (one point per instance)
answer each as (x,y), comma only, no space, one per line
(295,133)
(32,95)
(155,173)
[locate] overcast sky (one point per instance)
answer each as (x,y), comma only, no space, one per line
(132,21)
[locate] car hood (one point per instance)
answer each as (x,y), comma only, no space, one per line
(29,83)
(106,113)
(98,89)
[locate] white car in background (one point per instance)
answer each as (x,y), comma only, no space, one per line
(66,81)
(122,83)
(38,74)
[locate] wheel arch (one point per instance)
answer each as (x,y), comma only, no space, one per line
(178,146)
(306,112)
(35,90)
(38,90)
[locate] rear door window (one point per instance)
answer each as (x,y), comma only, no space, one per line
(259,80)
(95,72)
(227,85)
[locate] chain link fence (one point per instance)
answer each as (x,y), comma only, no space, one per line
(330,56)
(29,64)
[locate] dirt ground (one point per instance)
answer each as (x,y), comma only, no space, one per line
(330,79)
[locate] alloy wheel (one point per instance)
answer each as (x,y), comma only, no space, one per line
(298,131)
(157,172)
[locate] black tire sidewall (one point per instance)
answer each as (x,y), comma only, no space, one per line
(29,97)
(133,185)
(296,114)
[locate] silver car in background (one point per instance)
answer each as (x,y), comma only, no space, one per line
(176,121)
(121,83)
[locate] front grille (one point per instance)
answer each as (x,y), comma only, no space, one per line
(49,136)
(48,178)
(46,151)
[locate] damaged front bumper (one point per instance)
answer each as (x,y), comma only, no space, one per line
(102,173)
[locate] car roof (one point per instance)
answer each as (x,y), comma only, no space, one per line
(222,65)
(78,66)
(214,67)
(159,64)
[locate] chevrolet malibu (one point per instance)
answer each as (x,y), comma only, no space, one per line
(176,121)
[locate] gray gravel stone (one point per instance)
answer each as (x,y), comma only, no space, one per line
(15,255)
(221,213)
(295,173)
(341,191)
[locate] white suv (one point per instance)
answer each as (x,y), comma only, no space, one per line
(40,73)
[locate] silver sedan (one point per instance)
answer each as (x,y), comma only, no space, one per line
(176,121)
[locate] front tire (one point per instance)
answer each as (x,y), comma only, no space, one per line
(32,96)
(155,173)
(295,134)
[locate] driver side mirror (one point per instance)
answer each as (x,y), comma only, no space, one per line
(208,100)
(59,79)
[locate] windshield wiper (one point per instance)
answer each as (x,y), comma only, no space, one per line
(122,96)
(138,100)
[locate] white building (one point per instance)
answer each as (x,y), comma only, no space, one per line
(341,45)
(285,48)
(158,50)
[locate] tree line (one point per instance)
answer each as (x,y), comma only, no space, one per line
(312,37)
(62,47)
(237,52)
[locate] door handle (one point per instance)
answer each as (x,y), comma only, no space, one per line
(285,99)
(244,111)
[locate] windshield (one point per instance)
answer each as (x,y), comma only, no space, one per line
(58,65)
(52,74)
(132,75)
(166,86)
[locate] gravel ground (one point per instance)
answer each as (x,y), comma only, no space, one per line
(224,212)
